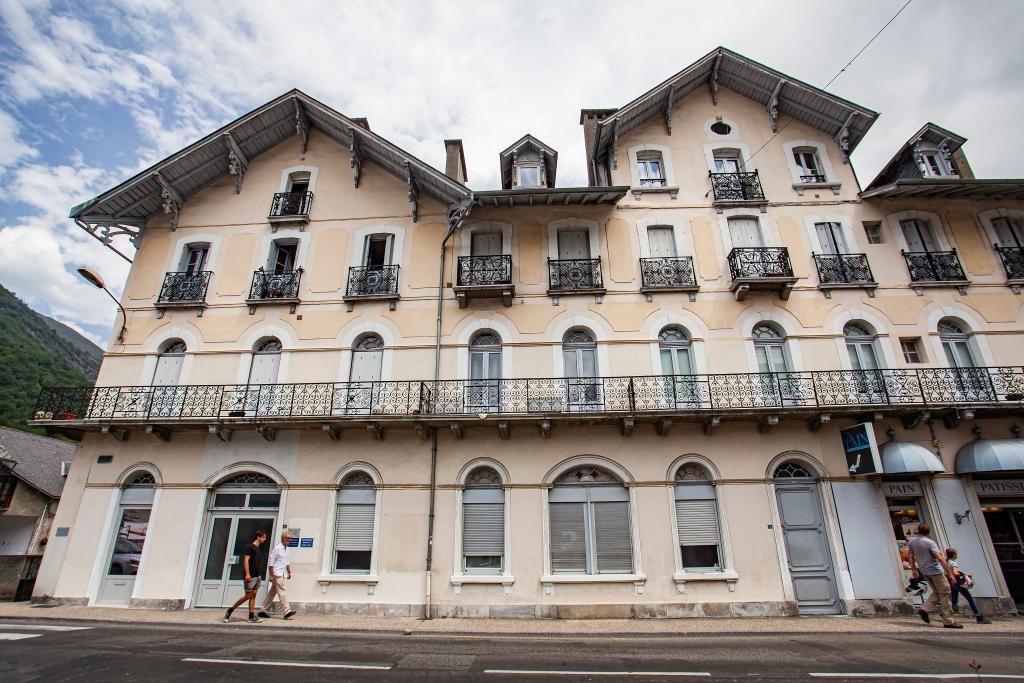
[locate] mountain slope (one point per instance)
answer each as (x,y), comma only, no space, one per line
(37,351)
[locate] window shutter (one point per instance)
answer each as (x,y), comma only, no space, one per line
(568,538)
(354,528)
(483,521)
(612,542)
(697,521)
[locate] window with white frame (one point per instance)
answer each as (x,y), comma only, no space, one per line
(579,358)
(873,232)
(1009,232)
(266,362)
(168,363)
(193,259)
(661,241)
(283,254)
(808,165)
(377,250)
(727,160)
(651,166)
(354,525)
(770,348)
(700,544)
(919,235)
(934,165)
(956,344)
(588,511)
(483,523)
(675,351)
(862,346)
(484,371)
(830,237)
(911,348)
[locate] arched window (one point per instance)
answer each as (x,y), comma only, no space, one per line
(579,355)
(354,525)
(956,343)
(367,356)
(483,523)
(675,351)
(700,546)
(861,346)
(168,363)
(266,362)
(484,371)
(770,348)
(792,470)
(590,525)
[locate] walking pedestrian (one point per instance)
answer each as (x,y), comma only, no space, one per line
(252,563)
(961,585)
(930,563)
(277,569)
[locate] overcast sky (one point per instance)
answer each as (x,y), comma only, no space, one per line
(93,92)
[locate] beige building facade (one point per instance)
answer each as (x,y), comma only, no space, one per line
(624,399)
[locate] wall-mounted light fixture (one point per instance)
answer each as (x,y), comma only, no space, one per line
(94,278)
(961,517)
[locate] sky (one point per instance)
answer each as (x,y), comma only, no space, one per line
(94,92)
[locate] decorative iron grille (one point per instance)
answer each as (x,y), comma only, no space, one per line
(812,178)
(574,274)
(843,268)
(667,272)
(372,281)
(758,262)
(934,266)
(267,285)
(732,187)
(184,287)
(713,393)
(652,182)
(1013,261)
(291,204)
(485,270)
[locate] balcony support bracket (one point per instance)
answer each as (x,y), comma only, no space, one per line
(711,424)
(504,430)
(334,431)
(375,429)
(954,419)
(119,433)
(456,428)
(741,292)
(422,430)
(786,290)
(818,421)
(160,433)
(544,426)
(962,290)
(914,420)
(766,424)
(221,432)
(663,426)
(626,427)
(267,432)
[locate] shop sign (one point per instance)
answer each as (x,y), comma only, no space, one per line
(901,489)
(861,449)
(999,487)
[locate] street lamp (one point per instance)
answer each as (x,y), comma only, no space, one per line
(94,278)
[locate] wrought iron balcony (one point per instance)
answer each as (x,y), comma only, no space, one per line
(667,272)
(711,394)
(759,262)
(184,289)
(481,271)
(812,178)
(268,286)
(930,267)
(291,204)
(574,275)
(836,270)
(736,187)
(372,281)
(1013,262)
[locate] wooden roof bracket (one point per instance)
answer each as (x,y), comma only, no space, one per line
(414,192)
(301,124)
(357,158)
(713,81)
(105,233)
(172,201)
(612,164)
(773,105)
(668,109)
(843,138)
(237,162)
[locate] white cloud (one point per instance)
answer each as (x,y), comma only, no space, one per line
(12,149)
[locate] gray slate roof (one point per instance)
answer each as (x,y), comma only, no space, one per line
(38,458)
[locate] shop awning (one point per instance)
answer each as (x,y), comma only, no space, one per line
(991,455)
(900,457)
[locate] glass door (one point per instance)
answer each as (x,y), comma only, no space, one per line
(905,515)
(125,555)
(223,573)
(1005,521)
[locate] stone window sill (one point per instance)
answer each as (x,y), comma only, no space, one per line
(639,192)
(801,187)
(505,580)
(370,580)
(728,575)
(549,580)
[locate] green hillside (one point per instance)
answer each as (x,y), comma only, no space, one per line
(37,351)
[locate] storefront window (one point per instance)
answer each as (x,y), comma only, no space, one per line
(905,513)
(1005,520)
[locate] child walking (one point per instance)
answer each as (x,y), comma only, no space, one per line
(961,586)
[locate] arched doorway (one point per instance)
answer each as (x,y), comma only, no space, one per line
(805,536)
(240,506)
(125,551)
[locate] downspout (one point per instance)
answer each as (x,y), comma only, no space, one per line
(455,218)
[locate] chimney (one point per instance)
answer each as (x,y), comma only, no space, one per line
(589,119)
(963,168)
(455,161)
(362,122)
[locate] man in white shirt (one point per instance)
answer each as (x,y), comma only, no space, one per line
(277,569)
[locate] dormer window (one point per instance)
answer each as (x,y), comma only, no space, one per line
(529,163)
(932,165)
(652,169)
(528,175)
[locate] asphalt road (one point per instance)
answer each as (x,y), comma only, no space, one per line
(54,651)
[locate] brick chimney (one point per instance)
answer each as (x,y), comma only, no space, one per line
(455,161)
(589,119)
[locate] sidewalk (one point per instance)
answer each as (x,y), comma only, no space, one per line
(520,627)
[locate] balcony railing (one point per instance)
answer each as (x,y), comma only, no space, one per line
(291,204)
(759,262)
(839,269)
(652,182)
(812,178)
(268,286)
(372,281)
(567,275)
(1013,261)
(667,272)
(478,271)
(712,393)
(736,187)
(934,266)
(184,288)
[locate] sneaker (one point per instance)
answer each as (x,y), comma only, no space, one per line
(924,616)
(983,620)
(289,614)
(952,626)
(263,614)
(227,616)
(254,619)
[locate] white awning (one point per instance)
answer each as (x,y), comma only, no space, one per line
(901,457)
(991,455)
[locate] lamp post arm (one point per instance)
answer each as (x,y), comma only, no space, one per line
(124,315)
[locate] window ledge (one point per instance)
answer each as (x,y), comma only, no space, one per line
(348,578)
(639,192)
(728,575)
(800,187)
(504,580)
(549,580)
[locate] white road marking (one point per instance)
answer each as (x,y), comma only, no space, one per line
(44,627)
(309,665)
(544,672)
(18,636)
(902,675)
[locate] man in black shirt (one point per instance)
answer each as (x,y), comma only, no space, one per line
(252,562)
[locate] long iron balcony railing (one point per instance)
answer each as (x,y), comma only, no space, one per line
(478,271)
(184,288)
(712,393)
(735,187)
(1013,261)
(849,269)
(291,204)
(759,262)
(667,272)
(567,275)
(268,286)
(372,281)
(934,266)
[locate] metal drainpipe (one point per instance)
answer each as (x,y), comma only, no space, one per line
(455,218)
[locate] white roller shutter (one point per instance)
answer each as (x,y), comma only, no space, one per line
(568,538)
(613,544)
(354,526)
(483,522)
(697,522)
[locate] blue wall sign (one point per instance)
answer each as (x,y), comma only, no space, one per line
(861,449)
(306,543)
